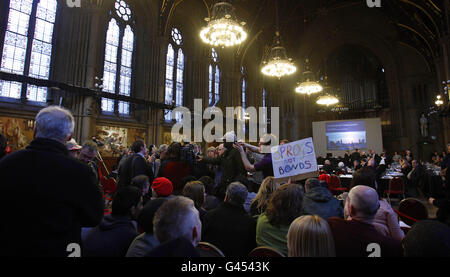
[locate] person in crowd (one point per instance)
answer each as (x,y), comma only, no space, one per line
(162,188)
(173,168)
(3,144)
(405,167)
(356,165)
(231,164)
(195,190)
(143,184)
(272,226)
(178,228)
(284,141)
(353,235)
(220,150)
(310,236)
(184,181)
(73,148)
(442,203)
(342,168)
(427,238)
(88,155)
(212,169)
(327,167)
(385,220)
(259,203)
(265,165)
(355,156)
(318,200)
(135,165)
(228,226)
(211,201)
(408,155)
(396,158)
(60,192)
(146,241)
(415,179)
(113,236)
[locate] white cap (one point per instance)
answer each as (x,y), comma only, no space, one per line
(230,137)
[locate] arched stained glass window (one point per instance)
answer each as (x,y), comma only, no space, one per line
(21,30)
(174,90)
(118,65)
(214,79)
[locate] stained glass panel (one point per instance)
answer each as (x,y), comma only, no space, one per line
(107,105)
(110,66)
(217,85)
(124,108)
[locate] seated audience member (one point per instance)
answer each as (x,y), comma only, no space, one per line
(310,236)
(415,179)
(173,168)
(342,168)
(162,187)
(405,167)
(386,220)
(146,241)
(228,226)
(142,183)
(284,206)
(3,144)
(266,189)
(47,196)
(352,236)
(195,190)
(396,158)
(113,236)
(427,238)
(319,201)
(327,167)
(211,201)
(73,148)
(177,227)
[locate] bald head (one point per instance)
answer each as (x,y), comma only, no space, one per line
(362,203)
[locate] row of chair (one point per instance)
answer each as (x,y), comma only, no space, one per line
(207,249)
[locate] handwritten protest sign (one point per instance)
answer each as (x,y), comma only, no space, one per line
(296,160)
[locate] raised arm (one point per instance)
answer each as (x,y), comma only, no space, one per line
(248,166)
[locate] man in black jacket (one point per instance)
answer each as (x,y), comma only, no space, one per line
(135,165)
(46,195)
(228,226)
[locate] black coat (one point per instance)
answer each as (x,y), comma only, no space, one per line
(231,229)
(133,166)
(319,201)
(46,197)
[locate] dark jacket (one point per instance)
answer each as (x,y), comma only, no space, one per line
(133,166)
(319,201)
(175,171)
(231,229)
(111,238)
(233,169)
(46,197)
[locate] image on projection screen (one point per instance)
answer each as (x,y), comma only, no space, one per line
(346,135)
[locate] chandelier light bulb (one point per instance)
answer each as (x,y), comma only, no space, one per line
(327,100)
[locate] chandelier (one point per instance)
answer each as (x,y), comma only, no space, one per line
(223,29)
(278,65)
(308,87)
(327,100)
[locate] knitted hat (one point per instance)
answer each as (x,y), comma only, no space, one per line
(162,186)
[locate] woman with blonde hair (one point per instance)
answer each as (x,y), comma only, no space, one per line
(259,203)
(310,236)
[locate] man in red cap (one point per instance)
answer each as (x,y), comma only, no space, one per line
(162,187)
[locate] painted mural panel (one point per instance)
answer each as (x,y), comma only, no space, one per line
(116,139)
(18,131)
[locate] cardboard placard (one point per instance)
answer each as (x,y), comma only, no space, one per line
(295,161)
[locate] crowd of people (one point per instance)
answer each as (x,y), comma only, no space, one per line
(172,197)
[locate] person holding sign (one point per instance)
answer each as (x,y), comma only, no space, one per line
(265,165)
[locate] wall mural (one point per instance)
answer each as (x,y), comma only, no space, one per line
(116,139)
(18,131)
